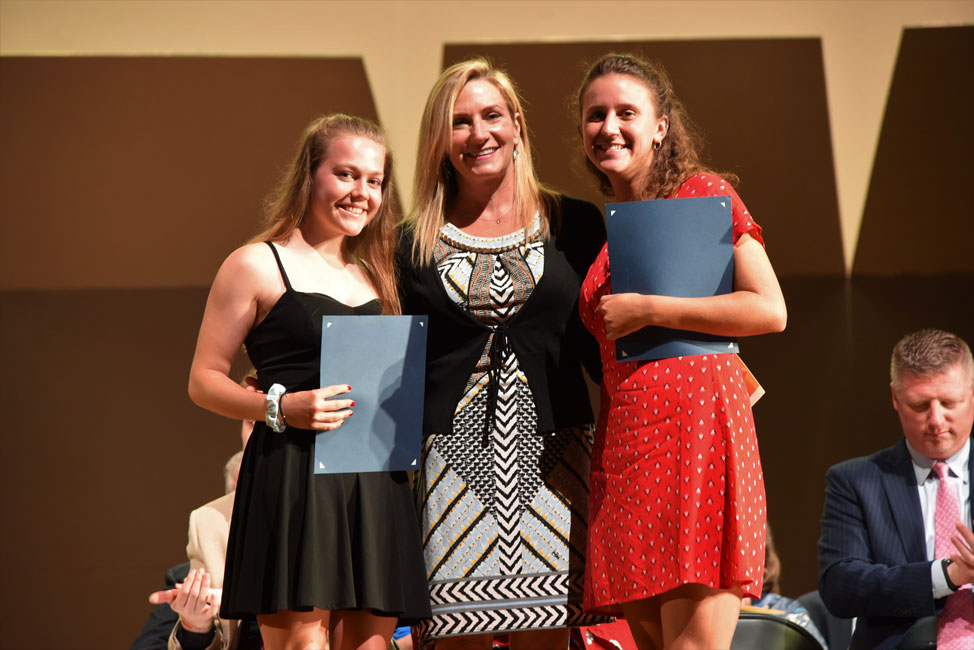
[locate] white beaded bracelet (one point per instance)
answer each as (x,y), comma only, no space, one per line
(273,401)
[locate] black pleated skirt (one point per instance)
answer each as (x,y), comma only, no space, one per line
(300,540)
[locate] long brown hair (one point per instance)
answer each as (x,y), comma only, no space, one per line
(678,157)
(289,204)
(435,181)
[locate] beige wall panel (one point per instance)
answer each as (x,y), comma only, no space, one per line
(105,455)
(147,171)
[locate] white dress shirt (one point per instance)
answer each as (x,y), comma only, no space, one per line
(927,485)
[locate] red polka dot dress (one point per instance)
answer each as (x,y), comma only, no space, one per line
(677,493)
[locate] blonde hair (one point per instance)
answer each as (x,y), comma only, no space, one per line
(435,181)
(373,248)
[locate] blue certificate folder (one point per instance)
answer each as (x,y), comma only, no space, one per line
(671,247)
(383,359)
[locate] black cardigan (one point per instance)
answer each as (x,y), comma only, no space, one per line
(546,334)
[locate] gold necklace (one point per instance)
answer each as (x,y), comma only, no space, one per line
(498,219)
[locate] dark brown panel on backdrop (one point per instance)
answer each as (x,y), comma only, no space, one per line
(105,456)
(919,216)
(760,103)
(146,172)
(124,182)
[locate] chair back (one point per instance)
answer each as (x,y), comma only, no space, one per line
(837,631)
(760,630)
(922,635)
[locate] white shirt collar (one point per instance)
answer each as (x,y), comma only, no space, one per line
(923,466)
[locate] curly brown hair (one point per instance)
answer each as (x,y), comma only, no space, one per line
(678,156)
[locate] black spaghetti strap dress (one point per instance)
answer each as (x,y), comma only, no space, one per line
(300,540)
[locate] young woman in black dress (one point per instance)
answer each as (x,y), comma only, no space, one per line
(311,555)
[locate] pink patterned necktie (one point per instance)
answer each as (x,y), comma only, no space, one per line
(955,624)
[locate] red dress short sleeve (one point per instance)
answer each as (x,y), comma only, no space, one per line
(677,492)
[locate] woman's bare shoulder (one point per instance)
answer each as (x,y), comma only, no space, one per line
(251,265)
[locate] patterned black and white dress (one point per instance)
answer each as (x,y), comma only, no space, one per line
(504,508)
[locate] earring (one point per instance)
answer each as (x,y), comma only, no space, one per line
(657,144)
(514,153)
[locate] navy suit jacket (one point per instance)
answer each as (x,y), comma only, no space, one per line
(872,557)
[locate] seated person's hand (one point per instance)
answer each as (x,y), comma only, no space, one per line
(961,572)
(197,605)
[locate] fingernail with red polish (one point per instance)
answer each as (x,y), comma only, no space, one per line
(353,403)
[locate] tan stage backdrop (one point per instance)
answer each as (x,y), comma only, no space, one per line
(138,141)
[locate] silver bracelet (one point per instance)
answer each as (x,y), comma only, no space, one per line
(273,401)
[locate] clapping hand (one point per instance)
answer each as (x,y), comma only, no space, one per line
(961,571)
(196,603)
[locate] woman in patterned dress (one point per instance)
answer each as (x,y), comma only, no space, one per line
(678,510)
(496,261)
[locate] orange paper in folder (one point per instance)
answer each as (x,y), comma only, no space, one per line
(754,390)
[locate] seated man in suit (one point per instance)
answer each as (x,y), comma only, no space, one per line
(198,607)
(896,537)
(197,599)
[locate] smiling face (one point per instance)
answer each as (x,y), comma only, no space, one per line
(619,129)
(936,412)
(347,187)
(484,133)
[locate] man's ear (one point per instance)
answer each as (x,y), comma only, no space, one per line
(896,402)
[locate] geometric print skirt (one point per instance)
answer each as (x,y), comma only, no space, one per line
(504,516)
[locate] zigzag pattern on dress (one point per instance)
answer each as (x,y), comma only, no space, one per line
(499,588)
(507,506)
(501,293)
(502,620)
(497,288)
(530,445)
(517,498)
(455,270)
(465,452)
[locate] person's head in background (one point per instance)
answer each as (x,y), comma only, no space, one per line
(932,384)
(232,468)
(772,567)
(249,382)
(231,471)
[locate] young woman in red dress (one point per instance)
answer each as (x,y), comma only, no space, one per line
(677,529)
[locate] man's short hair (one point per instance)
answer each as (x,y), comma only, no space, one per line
(929,352)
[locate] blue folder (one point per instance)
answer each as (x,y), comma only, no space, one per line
(671,247)
(383,359)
